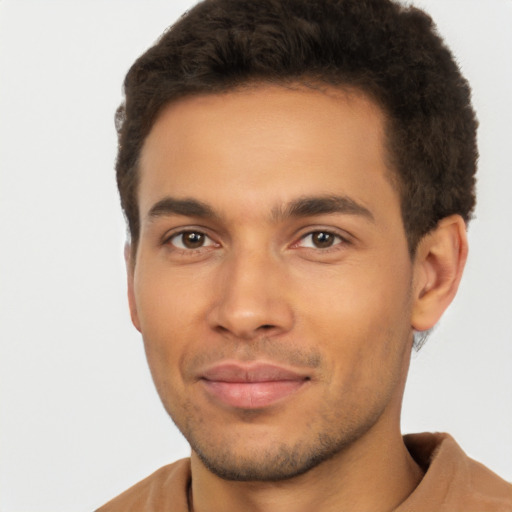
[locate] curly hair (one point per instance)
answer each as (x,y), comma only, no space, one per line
(388,51)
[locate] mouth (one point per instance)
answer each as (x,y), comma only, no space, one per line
(251,386)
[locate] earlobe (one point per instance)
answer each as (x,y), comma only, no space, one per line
(130,272)
(438,266)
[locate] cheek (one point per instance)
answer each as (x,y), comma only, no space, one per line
(167,321)
(363,320)
(167,302)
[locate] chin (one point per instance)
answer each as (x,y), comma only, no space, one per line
(277,462)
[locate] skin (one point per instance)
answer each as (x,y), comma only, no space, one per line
(331,294)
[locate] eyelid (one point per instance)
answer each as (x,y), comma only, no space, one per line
(169,236)
(343,238)
(308,235)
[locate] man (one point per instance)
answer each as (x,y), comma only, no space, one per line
(297,178)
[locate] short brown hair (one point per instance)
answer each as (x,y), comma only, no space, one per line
(386,50)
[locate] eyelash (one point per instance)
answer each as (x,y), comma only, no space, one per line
(169,241)
(338,240)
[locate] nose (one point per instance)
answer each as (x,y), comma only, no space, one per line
(252,298)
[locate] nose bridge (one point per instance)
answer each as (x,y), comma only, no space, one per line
(251,298)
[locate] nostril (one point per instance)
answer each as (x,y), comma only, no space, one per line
(266,327)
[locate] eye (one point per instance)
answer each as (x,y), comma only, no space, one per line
(189,240)
(320,240)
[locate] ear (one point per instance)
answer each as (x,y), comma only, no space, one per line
(130,273)
(438,266)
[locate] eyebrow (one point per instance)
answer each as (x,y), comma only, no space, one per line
(185,207)
(301,207)
(322,205)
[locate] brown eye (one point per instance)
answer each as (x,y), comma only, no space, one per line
(190,240)
(320,240)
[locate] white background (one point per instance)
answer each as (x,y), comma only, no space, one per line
(79,418)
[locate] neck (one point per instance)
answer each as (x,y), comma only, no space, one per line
(374,473)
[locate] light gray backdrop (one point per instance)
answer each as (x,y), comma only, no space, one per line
(79,418)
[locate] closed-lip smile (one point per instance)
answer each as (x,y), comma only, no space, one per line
(251,385)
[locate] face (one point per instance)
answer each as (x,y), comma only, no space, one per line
(272,280)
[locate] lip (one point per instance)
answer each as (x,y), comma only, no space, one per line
(251,386)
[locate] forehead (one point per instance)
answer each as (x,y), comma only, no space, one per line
(266,144)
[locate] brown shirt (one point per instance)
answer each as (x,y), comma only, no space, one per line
(452,483)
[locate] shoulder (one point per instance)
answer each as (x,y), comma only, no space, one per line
(453,481)
(165,488)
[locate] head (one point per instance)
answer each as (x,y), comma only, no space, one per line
(296,177)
